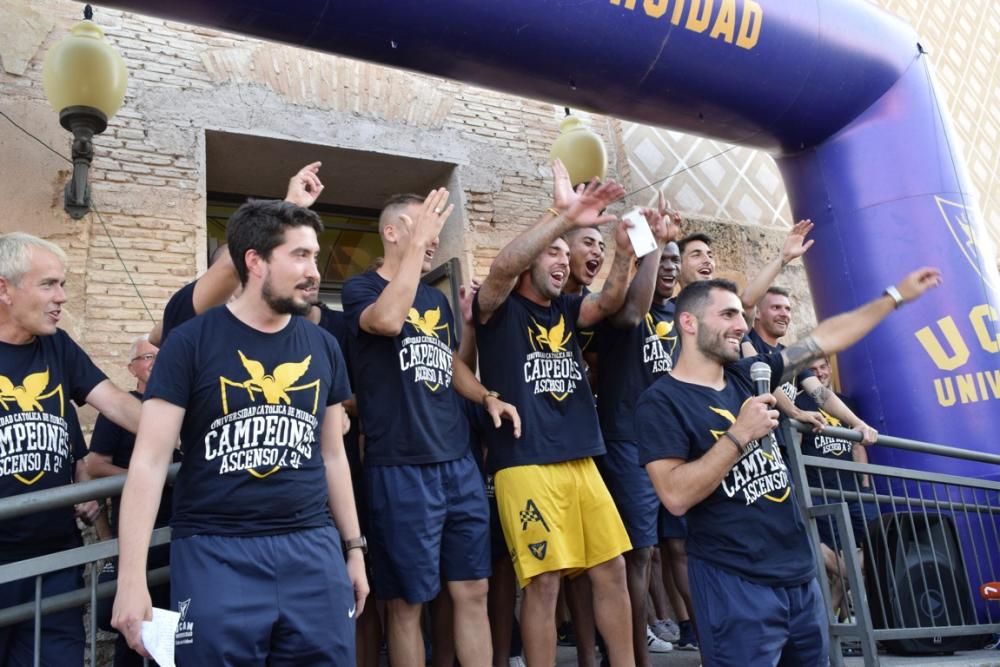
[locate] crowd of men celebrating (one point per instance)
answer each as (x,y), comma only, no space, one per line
(544,433)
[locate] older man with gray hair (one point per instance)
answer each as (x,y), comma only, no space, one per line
(40,368)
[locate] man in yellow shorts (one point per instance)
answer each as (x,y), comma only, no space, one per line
(557,515)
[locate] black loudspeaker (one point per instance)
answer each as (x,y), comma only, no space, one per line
(915,578)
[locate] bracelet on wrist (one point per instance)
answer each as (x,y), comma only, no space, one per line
(490,393)
(894,294)
(740,447)
(555,213)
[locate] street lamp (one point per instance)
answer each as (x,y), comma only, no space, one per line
(84,80)
(581,151)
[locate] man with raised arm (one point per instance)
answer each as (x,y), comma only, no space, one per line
(41,370)
(774,316)
(557,515)
(218,284)
(263,496)
(756,599)
(698,262)
(427,502)
(634,348)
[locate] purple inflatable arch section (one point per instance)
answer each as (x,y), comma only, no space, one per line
(838,91)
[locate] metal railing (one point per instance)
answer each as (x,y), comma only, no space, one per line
(65,496)
(927,541)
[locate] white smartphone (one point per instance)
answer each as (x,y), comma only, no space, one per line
(639,233)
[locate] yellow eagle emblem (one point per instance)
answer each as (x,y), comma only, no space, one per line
(427,324)
(553,339)
(26,395)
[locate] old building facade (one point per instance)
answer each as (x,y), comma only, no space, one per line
(211,117)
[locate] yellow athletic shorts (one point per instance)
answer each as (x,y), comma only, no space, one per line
(558,517)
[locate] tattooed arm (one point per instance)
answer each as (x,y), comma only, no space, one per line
(582,208)
(836,408)
(598,305)
(841,331)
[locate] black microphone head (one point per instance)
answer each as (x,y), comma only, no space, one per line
(759,371)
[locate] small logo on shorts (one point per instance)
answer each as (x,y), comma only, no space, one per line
(538,549)
(185,628)
(353,610)
(530,514)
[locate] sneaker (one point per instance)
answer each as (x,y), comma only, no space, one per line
(666,629)
(517,661)
(565,636)
(655,644)
(687,641)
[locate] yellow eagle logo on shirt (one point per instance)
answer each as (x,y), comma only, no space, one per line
(427,324)
(553,339)
(274,387)
(29,396)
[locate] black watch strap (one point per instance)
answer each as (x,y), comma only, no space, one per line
(356,543)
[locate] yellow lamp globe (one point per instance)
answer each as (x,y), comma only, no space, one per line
(85,71)
(580,150)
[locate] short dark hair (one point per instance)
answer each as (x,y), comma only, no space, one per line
(780,291)
(697,236)
(395,202)
(693,298)
(260,225)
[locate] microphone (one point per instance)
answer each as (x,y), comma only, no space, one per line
(760,373)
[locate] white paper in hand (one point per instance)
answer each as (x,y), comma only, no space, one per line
(158,636)
(639,233)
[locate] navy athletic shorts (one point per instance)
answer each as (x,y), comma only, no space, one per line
(272,599)
(743,624)
(429,523)
(631,490)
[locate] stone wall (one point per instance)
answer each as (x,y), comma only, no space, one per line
(149,178)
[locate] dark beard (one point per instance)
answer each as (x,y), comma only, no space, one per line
(284,305)
(713,348)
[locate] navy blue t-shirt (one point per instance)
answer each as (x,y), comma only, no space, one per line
(40,438)
(254,405)
(335,322)
(790,389)
(826,447)
(529,354)
(179,309)
(410,413)
(631,360)
(112,440)
(750,524)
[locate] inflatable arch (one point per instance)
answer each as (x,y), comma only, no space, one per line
(838,91)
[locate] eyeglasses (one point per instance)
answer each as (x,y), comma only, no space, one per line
(149,356)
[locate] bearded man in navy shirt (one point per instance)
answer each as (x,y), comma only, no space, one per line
(752,570)
(264,493)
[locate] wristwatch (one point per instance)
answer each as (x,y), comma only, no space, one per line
(359,542)
(894,294)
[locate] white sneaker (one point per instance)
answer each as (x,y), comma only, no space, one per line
(655,644)
(667,630)
(517,661)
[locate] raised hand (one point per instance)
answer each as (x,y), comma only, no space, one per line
(623,244)
(424,229)
(466,294)
(587,208)
(671,221)
(915,284)
(304,187)
(563,194)
(796,244)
